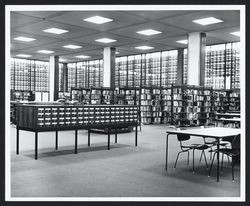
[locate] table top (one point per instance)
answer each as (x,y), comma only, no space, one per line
(229,119)
(228,114)
(216,132)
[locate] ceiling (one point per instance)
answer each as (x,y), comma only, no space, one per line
(174,25)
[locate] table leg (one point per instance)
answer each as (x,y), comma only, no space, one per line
(76,141)
(115,135)
(17,140)
(218,160)
(167,152)
(108,138)
(136,134)
(36,144)
(88,137)
(56,139)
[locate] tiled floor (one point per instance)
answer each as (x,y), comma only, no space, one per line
(123,171)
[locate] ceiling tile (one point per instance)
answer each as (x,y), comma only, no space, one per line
(121,40)
(42,14)
(224,34)
(120,19)
(157,47)
(17,20)
(38,28)
(230,19)
(167,31)
(40,40)
(153,15)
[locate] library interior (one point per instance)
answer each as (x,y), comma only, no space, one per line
(125,103)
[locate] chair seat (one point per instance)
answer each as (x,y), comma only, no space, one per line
(196,146)
(222,143)
(200,146)
(229,152)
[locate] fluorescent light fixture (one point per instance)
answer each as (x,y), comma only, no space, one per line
(105,40)
(45,51)
(117,52)
(25,39)
(62,60)
(184,41)
(149,32)
(55,31)
(207,21)
(82,56)
(24,55)
(72,46)
(144,47)
(98,20)
(236,33)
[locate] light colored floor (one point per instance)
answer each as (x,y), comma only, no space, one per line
(123,171)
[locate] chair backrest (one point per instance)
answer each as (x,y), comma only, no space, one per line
(236,142)
(183,137)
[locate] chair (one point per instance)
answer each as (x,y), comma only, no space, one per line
(213,143)
(233,152)
(186,148)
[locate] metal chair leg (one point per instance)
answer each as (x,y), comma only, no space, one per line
(177,159)
(211,151)
(205,158)
(209,174)
(232,169)
(201,155)
(222,160)
(193,160)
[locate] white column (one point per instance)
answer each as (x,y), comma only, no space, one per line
(109,67)
(196,58)
(53,78)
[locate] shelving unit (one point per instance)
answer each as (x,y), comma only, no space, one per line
(191,106)
(146,105)
(166,104)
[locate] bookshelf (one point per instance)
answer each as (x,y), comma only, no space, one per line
(191,106)
(146,105)
(166,104)
(156,105)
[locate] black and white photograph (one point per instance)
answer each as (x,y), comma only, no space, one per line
(125,103)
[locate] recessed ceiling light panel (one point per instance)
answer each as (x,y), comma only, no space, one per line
(82,56)
(236,33)
(55,31)
(25,39)
(144,47)
(105,40)
(45,51)
(72,46)
(149,32)
(184,41)
(98,20)
(207,21)
(24,55)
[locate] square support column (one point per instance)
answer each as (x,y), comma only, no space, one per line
(180,71)
(109,67)
(53,78)
(65,77)
(196,59)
